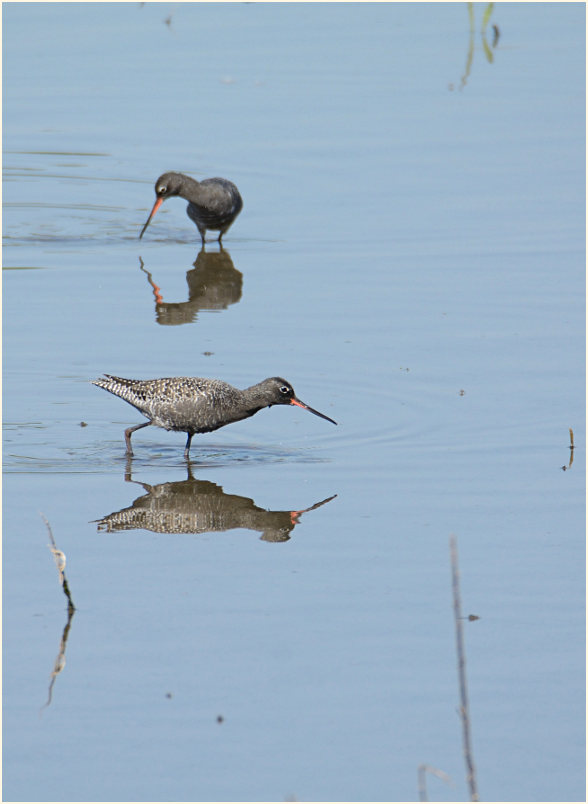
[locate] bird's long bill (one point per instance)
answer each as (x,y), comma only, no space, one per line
(300,404)
(156,205)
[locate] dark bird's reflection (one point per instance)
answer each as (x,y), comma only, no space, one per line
(200,506)
(213,284)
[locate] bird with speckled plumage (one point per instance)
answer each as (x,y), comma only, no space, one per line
(198,405)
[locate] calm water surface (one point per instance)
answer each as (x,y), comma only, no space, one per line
(274,620)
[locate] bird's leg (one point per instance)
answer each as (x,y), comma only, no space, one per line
(128,432)
(187,450)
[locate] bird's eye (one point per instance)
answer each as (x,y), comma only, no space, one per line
(284,389)
(162,190)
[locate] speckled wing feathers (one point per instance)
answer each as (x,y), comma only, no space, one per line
(187,404)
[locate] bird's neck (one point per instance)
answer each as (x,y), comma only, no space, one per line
(191,188)
(256,395)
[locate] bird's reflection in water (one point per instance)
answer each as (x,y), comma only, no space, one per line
(213,284)
(200,506)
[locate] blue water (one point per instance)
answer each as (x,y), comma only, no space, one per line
(411,257)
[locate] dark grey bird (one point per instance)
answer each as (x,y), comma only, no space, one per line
(197,405)
(213,203)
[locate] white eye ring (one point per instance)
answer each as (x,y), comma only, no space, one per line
(284,389)
(162,190)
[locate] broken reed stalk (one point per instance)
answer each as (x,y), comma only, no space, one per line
(60,561)
(422,776)
(59,557)
(569,466)
(464,707)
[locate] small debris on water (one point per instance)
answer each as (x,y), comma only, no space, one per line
(219,719)
(83,424)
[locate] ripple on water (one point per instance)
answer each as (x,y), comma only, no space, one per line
(110,456)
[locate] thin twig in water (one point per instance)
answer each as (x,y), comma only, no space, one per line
(571,448)
(464,707)
(569,466)
(59,664)
(60,660)
(422,774)
(60,561)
